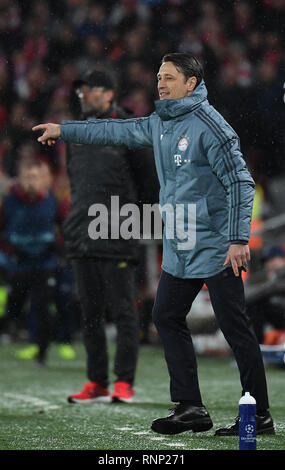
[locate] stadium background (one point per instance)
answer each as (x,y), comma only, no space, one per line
(45,45)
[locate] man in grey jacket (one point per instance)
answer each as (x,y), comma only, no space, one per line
(206,188)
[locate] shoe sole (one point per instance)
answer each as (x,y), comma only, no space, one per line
(122,400)
(266,431)
(201,425)
(258,433)
(89,400)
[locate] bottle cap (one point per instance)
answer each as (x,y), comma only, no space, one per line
(247,399)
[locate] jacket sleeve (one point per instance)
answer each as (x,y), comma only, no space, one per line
(227,163)
(132,133)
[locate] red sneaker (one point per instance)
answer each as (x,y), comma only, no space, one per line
(92,392)
(123,392)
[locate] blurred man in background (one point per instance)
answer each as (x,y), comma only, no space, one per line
(62,306)
(29,214)
(104,269)
(266,302)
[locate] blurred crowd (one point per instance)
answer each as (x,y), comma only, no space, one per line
(46,45)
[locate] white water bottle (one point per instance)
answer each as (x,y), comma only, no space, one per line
(247,423)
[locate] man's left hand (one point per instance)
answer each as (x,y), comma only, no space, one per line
(238,255)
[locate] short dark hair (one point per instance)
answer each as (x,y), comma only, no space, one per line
(186,64)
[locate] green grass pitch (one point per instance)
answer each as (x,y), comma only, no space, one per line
(36,416)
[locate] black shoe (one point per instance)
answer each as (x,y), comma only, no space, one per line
(264,425)
(184,418)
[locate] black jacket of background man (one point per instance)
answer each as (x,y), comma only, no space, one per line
(96,173)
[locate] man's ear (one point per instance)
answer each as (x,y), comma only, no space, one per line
(191,83)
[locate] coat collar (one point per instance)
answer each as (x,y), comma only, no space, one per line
(169,109)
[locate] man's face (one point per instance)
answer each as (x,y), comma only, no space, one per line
(31,180)
(94,100)
(172,84)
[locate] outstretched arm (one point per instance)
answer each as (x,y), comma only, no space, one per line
(133,133)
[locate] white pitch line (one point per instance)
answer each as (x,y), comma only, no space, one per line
(175,444)
(31,400)
(158,438)
(124,428)
(141,433)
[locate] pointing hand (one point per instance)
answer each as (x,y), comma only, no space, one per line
(50,135)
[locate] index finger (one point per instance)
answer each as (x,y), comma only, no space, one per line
(39,127)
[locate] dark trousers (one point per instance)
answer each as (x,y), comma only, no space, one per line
(108,284)
(62,325)
(173,301)
(41,286)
